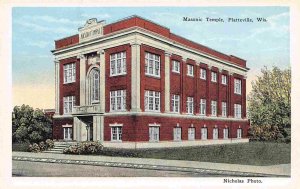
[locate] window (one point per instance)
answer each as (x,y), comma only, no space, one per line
(94,84)
(237,86)
(237,111)
(68,133)
(215,133)
(153,134)
(176,66)
(213,76)
(202,74)
(152,64)
(177,133)
(225,133)
(69,102)
(191,133)
(224,79)
(239,133)
(175,104)
(118,64)
(204,133)
(214,108)
(116,133)
(152,101)
(69,73)
(117,100)
(190,105)
(224,109)
(190,70)
(202,106)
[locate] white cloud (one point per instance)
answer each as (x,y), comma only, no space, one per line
(40,28)
(51,19)
(99,16)
(40,44)
(275,26)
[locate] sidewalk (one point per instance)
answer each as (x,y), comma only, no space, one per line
(161,164)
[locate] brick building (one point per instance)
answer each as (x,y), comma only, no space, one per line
(134,84)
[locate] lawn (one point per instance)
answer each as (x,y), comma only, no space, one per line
(252,153)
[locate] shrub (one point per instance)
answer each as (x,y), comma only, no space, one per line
(34,148)
(93,147)
(22,147)
(49,143)
(42,146)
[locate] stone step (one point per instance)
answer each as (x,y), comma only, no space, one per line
(62,146)
(59,147)
(53,152)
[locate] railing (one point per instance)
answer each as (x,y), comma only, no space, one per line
(86,109)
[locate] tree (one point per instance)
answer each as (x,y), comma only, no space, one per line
(270,104)
(29,125)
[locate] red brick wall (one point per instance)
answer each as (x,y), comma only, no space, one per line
(57,130)
(148,25)
(136,128)
(68,41)
(153,83)
(69,89)
(176,80)
(122,82)
(136,21)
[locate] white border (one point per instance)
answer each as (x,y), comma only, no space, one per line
(6,105)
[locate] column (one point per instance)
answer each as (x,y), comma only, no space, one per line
(244,115)
(183,93)
(82,64)
(101,129)
(208,80)
(167,81)
(196,89)
(102,80)
(56,62)
(230,96)
(135,77)
(82,131)
(76,128)
(96,127)
(219,94)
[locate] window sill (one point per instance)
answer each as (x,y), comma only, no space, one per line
(190,76)
(118,111)
(123,74)
(203,78)
(153,76)
(157,111)
(177,73)
(69,82)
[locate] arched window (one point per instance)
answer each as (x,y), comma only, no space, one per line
(94,86)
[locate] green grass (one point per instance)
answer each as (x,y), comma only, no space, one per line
(22,147)
(253,153)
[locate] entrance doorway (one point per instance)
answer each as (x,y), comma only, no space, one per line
(91,133)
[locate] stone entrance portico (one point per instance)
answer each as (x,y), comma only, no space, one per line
(88,125)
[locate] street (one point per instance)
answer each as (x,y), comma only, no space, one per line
(39,169)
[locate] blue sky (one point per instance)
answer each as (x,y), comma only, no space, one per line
(35,29)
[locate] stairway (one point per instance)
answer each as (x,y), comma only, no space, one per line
(59,147)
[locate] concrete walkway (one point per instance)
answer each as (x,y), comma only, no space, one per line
(159,164)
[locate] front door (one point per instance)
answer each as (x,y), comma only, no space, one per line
(68,133)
